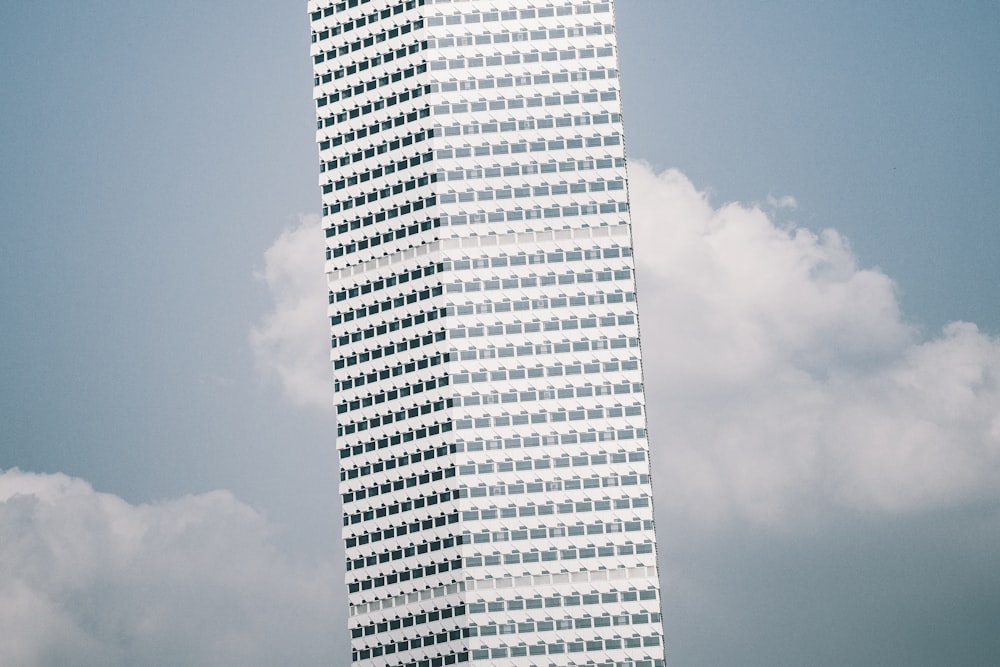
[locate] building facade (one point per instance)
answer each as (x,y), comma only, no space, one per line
(491,417)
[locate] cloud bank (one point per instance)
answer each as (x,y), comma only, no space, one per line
(291,345)
(89,579)
(782,376)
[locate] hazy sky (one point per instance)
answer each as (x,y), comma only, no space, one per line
(815,188)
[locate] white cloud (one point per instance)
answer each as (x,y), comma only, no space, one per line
(781,375)
(292,343)
(89,579)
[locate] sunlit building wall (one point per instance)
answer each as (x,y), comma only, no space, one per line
(485,343)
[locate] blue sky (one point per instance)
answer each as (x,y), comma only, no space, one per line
(825,436)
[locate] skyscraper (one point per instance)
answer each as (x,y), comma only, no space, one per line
(491,419)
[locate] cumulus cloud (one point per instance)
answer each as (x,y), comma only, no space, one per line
(782,375)
(88,579)
(291,345)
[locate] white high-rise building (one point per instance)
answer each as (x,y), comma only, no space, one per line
(491,419)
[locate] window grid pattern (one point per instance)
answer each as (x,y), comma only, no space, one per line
(484,336)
